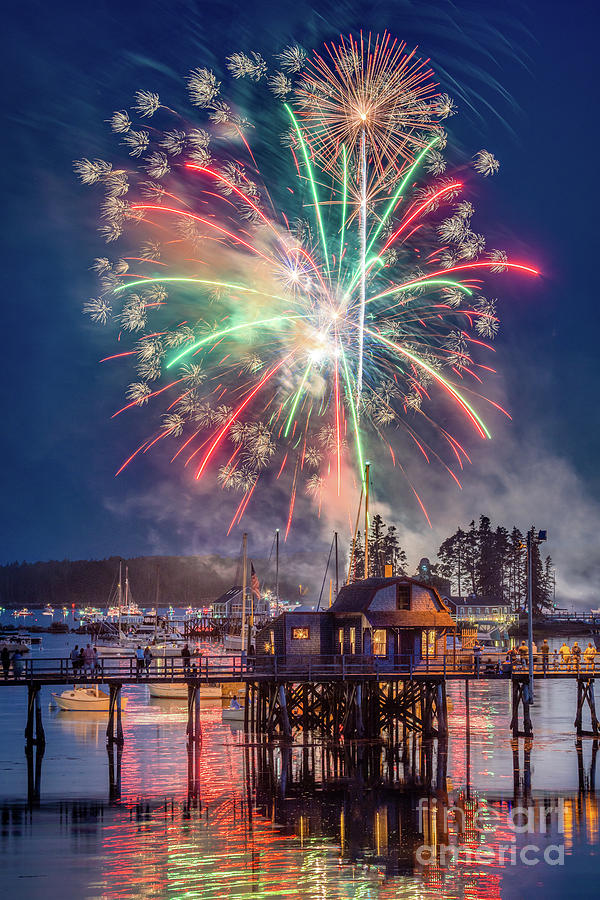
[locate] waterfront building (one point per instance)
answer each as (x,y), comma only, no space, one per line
(229,605)
(381,617)
(484,611)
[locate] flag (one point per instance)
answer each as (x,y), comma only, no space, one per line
(254,582)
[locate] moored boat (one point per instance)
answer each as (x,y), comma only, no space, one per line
(85,699)
(180,691)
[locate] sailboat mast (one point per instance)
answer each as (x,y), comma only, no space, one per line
(244,569)
(367,520)
(277,568)
(120,598)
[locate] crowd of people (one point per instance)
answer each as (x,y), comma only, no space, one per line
(564,659)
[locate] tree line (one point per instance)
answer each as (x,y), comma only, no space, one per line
(482,560)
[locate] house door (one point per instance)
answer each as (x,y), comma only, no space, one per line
(367,643)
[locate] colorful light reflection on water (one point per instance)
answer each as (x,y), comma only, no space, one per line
(242,819)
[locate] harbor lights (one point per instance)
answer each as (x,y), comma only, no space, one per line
(532,538)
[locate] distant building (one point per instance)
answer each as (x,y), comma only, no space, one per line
(382,617)
(486,611)
(229,605)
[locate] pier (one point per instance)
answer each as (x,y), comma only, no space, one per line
(339,696)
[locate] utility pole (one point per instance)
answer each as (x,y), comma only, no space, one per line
(531,539)
(277,568)
(337,581)
(244,575)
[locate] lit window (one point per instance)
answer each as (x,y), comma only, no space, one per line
(428,642)
(379,642)
(340,640)
(353,640)
(300,634)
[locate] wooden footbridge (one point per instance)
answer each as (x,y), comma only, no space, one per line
(339,695)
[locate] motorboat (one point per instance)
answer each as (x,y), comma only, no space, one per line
(48,610)
(234,712)
(85,699)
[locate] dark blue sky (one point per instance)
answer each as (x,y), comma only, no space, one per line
(528,76)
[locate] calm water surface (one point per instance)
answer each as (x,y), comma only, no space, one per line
(244,819)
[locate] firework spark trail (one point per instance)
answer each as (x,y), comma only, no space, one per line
(345,301)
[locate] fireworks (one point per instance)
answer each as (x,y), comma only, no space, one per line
(283,338)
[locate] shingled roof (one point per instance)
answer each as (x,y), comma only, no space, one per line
(410,618)
(356,597)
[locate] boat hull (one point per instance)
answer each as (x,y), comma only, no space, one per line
(180,691)
(85,700)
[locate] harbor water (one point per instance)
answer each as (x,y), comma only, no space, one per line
(240,817)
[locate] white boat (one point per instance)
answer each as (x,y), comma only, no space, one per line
(85,699)
(48,611)
(233,714)
(180,691)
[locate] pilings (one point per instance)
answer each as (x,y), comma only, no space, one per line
(114,729)
(34,729)
(585,696)
(521,696)
(350,708)
(194,727)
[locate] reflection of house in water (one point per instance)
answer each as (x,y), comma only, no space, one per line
(383,617)
(363,796)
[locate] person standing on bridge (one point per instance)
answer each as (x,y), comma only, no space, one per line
(523,654)
(545,655)
(147,658)
(17,663)
(576,654)
(139,660)
(589,656)
(565,655)
(185,656)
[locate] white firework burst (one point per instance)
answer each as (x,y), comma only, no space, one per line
(312,457)
(203,87)
(193,373)
(98,309)
(445,106)
(436,164)
(114,209)
(157,165)
(151,190)
(220,113)
(485,163)
(458,354)
(292,58)
(314,486)
(453,297)
(447,259)
(91,171)
(486,324)
(279,85)
(138,392)
(472,245)
(112,231)
(149,250)
(120,121)
(133,314)
(173,141)
(149,349)
(116,184)
(173,423)
(251,364)
(453,229)
(464,210)
(146,103)
(201,156)
(183,335)
(101,265)
(242,65)
(198,138)
(155,293)
(499,257)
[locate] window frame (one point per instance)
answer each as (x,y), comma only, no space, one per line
(302,637)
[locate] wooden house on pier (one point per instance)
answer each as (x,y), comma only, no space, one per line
(387,618)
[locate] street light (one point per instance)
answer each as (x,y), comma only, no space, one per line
(531,538)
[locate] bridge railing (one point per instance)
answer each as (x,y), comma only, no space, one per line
(231,666)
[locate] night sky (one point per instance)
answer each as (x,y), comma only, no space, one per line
(525,80)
